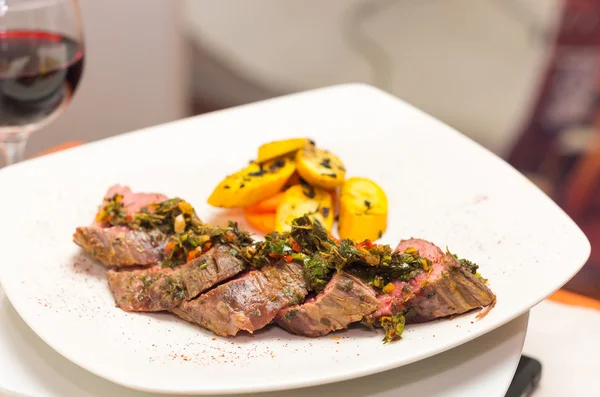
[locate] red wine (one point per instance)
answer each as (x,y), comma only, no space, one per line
(39,72)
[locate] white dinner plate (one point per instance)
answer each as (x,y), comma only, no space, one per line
(441,186)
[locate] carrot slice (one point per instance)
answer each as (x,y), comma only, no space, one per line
(265,206)
(262,221)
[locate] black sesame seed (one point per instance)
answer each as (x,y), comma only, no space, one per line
(431,294)
(380,233)
(226,186)
(325,211)
(242,185)
(332,175)
(368,204)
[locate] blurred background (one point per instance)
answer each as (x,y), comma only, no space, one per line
(521,77)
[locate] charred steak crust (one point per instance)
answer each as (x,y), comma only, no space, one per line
(249,302)
(121,246)
(454,291)
(345,300)
(158,289)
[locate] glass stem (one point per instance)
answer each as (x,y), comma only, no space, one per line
(12,146)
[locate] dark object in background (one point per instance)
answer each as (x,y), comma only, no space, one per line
(568,97)
(526,379)
(559,143)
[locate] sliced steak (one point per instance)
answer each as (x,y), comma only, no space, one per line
(135,290)
(450,290)
(133,202)
(121,246)
(158,288)
(345,300)
(249,302)
(459,291)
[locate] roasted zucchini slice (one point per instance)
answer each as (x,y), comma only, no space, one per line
(272,150)
(363,210)
(320,167)
(252,184)
(302,200)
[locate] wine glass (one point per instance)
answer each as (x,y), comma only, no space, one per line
(41,62)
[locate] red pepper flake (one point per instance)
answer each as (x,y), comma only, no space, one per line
(295,246)
(367,244)
(192,255)
(214,338)
(274,255)
(230,237)
(170,246)
(335,240)
(206,246)
(287,258)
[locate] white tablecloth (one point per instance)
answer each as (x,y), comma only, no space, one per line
(566,339)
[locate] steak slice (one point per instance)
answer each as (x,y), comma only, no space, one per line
(249,302)
(450,291)
(133,202)
(345,300)
(446,289)
(120,246)
(157,288)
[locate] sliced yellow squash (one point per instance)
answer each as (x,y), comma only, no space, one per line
(320,167)
(363,210)
(252,184)
(271,150)
(301,200)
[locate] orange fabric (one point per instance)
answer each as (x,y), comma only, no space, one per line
(62,146)
(570,298)
(562,296)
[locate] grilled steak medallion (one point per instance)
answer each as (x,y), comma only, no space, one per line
(451,289)
(133,202)
(446,289)
(345,300)
(121,246)
(249,302)
(158,288)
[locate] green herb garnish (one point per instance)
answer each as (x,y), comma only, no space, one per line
(393,326)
